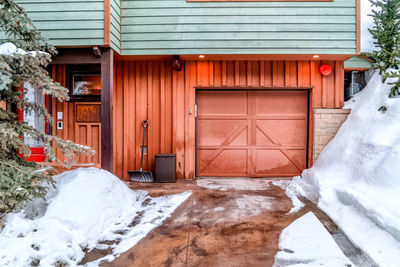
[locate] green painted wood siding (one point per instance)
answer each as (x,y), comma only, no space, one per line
(151,27)
(357,63)
(115,34)
(68,23)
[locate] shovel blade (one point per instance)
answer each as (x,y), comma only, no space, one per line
(141,176)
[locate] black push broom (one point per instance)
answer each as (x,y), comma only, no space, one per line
(140,175)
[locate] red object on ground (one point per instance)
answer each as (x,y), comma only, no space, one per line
(325,69)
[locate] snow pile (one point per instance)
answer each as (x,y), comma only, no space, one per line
(284,185)
(356,179)
(8,49)
(297,204)
(89,208)
(307,242)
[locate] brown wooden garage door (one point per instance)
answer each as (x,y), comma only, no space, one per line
(251,133)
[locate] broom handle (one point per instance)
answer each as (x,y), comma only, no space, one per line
(144,123)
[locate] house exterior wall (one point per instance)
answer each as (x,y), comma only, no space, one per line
(152,90)
(72,23)
(228,30)
(259,27)
(115,25)
(178,27)
(326,124)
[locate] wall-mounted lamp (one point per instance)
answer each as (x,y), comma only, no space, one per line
(177,63)
(96,51)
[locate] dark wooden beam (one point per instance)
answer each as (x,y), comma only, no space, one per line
(76,56)
(107,75)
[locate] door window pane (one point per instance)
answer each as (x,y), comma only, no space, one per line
(86,84)
(32,118)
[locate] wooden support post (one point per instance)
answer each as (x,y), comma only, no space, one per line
(107,74)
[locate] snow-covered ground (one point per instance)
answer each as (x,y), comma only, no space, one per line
(88,209)
(233,184)
(306,242)
(356,179)
(251,185)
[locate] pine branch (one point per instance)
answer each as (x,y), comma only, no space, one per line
(386,34)
(20,179)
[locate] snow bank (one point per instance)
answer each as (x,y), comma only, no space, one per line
(356,179)
(284,185)
(306,242)
(87,206)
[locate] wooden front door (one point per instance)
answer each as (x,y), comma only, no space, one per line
(251,133)
(88,130)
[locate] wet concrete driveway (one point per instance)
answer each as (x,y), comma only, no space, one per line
(226,222)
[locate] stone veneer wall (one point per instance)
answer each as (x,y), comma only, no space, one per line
(326,123)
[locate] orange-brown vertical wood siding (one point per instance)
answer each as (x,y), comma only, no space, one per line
(68,132)
(152,90)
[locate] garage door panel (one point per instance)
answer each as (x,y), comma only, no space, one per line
(252,133)
(241,139)
(222,103)
(300,156)
(222,132)
(276,103)
(205,157)
(226,163)
(274,162)
(283,132)
(262,139)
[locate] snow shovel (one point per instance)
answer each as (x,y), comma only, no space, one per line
(140,175)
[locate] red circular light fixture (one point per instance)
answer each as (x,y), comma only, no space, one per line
(325,69)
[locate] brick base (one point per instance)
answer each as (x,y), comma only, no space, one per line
(326,123)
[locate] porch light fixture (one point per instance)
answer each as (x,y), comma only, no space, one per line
(315,56)
(177,63)
(201,56)
(96,51)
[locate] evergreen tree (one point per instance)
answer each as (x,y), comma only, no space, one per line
(386,34)
(21,180)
